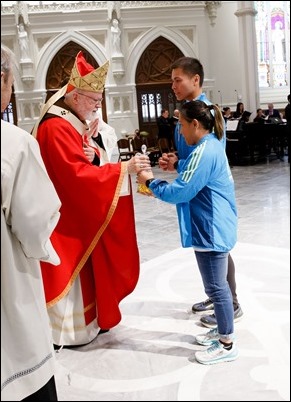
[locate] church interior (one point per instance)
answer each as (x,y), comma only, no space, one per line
(244,47)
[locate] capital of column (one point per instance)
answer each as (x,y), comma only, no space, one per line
(211,7)
(246,11)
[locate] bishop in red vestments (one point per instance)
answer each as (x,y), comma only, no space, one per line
(95,237)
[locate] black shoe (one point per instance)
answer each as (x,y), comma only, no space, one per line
(209,321)
(58,348)
(103,331)
(203,307)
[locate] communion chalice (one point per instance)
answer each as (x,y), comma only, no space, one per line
(142,188)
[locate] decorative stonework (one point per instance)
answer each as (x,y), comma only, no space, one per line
(211,7)
(133,35)
(21,12)
(188,33)
(42,7)
(116,104)
(126,104)
(117,66)
(246,11)
(151,4)
(27,71)
(100,38)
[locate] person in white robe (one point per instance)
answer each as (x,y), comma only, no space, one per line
(29,213)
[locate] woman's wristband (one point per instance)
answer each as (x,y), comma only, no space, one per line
(147,183)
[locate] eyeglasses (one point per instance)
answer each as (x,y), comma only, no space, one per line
(93,100)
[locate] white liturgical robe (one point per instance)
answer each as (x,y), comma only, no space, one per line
(29,214)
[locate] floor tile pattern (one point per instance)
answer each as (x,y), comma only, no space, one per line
(149,356)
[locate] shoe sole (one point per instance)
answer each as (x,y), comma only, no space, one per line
(204,312)
(212,326)
(227,359)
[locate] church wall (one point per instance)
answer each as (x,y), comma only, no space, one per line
(212,35)
(225,64)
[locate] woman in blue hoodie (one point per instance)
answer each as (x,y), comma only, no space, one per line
(205,197)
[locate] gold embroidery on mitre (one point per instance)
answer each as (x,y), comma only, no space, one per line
(94,81)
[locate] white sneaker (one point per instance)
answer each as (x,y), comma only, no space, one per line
(217,354)
(208,338)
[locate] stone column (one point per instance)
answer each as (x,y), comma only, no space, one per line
(248,55)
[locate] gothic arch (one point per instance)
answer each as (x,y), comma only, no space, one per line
(61,65)
(153,83)
(137,48)
(154,66)
(50,50)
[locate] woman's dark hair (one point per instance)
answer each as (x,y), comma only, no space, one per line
(238,107)
(209,116)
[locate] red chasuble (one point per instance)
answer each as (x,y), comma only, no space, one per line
(95,237)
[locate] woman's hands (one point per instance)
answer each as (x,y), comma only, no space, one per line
(141,165)
(144,175)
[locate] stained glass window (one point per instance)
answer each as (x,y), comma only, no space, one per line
(273,42)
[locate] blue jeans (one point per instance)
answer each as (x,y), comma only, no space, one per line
(213,267)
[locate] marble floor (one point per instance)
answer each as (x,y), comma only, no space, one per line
(149,356)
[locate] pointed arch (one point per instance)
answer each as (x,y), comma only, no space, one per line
(60,68)
(55,67)
(153,98)
(137,48)
(154,65)
(54,45)
(153,82)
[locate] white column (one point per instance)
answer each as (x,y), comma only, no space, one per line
(248,55)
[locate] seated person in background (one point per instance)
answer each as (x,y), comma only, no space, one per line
(260,117)
(227,113)
(239,110)
(137,134)
(243,120)
(271,112)
(137,141)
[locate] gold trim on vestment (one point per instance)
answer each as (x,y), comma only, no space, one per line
(95,240)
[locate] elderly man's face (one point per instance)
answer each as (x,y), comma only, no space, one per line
(7,81)
(87,103)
